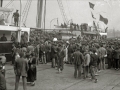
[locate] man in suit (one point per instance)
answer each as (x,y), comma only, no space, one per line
(30,48)
(54,54)
(70,51)
(86,63)
(101,53)
(36,51)
(20,69)
(78,59)
(117,57)
(93,64)
(43,53)
(109,56)
(48,51)
(61,56)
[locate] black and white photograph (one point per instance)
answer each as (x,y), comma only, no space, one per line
(59,44)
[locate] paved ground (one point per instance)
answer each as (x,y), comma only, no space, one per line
(49,79)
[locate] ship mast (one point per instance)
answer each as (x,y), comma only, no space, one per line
(1,3)
(39,13)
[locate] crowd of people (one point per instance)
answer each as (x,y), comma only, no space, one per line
(88,58)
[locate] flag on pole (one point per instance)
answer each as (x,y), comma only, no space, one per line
(94,25)
(105,20)
(93,16)
(91,5)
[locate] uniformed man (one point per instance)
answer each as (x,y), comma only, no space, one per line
(16,17)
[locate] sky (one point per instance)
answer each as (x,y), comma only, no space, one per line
(77,10)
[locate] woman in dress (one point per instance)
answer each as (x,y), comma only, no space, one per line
(32,69)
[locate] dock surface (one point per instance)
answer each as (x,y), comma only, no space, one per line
(49,79)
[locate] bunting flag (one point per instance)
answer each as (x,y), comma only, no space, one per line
(93,16)
(95,26)
(105,20)
(91,5)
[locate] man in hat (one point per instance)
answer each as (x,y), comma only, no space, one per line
(70,52)
(78,59)
(3,38)
(109,56)
(43,53)
(117,57)
(93,64)
(16,17)
(102,52)
(86,64)
(61,56)
(20,69)
(48,51)
(54,54)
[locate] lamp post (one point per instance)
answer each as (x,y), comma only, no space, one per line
(52,20)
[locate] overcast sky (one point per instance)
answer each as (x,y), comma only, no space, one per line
(77,10)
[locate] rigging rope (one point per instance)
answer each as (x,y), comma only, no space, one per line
(68,9)
(25,7)
(44,14)
(27,12)
(9,3)
(62,11)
